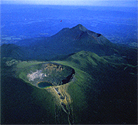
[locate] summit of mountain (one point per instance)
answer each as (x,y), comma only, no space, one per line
(80,27)
(70,40)
(81,34)
(66,42)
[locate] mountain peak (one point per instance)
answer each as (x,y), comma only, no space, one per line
(80,27)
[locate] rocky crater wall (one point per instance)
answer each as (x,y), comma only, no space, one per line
(53,73)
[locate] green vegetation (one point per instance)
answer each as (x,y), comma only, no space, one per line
(95,78)
(25,64)
(95,87)
(99,83)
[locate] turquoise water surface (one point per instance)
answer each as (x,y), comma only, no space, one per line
(44,84)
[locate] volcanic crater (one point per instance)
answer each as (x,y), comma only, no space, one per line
(49,74)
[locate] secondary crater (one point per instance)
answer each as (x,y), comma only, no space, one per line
(49,74)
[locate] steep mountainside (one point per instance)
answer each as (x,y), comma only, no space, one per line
(102,90)
(73,77)
(65,42)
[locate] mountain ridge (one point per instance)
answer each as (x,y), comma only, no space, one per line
(65,42)
(102,87)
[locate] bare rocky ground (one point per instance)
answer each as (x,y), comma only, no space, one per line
(49,72)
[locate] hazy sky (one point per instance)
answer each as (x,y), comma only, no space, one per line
(75,2)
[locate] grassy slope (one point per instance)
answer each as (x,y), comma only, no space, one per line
(76,93)
(22,102)
(77,90)
(107,86)
(101,92)
(41,97)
